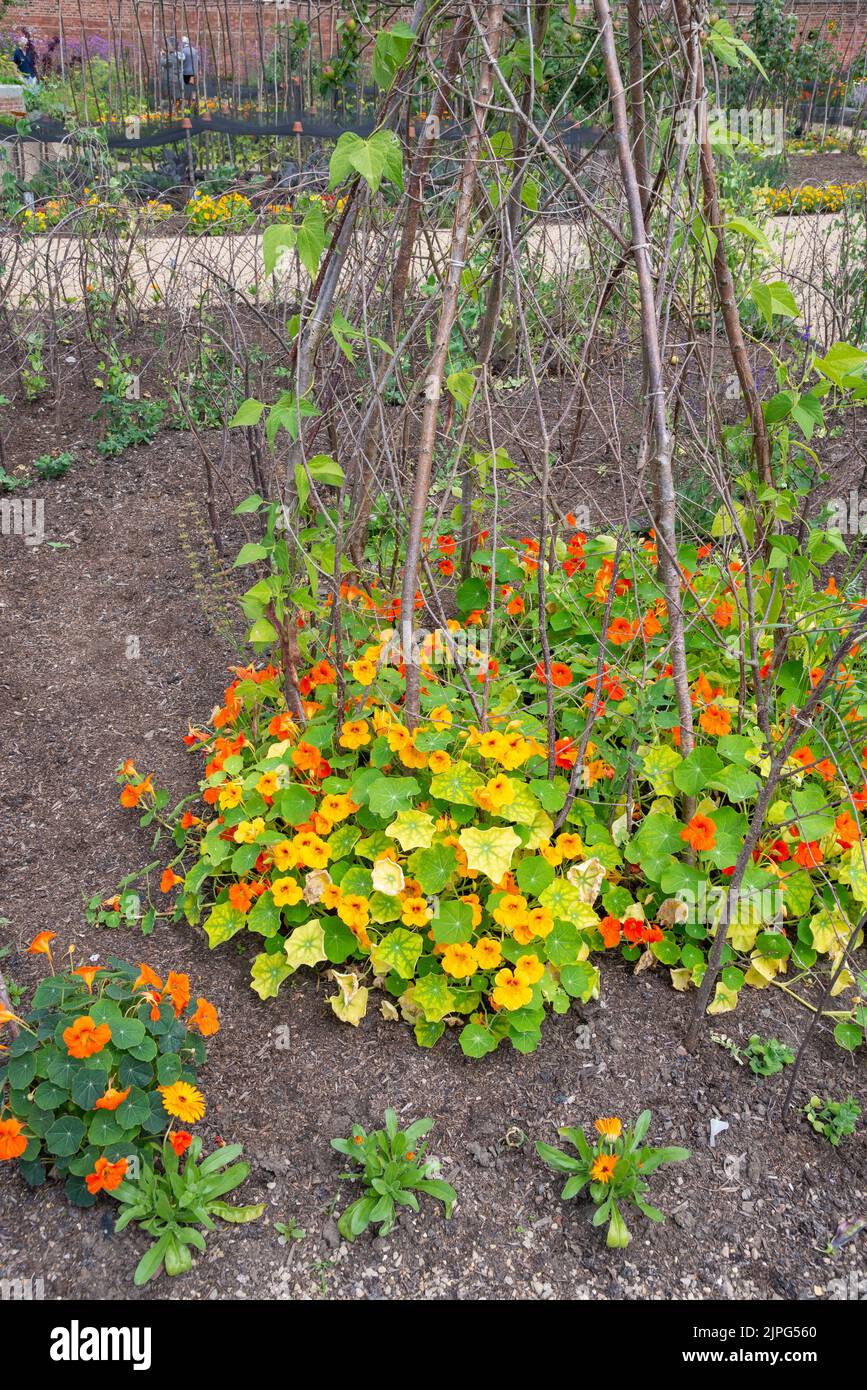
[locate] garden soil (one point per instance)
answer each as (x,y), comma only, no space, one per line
(750,1216)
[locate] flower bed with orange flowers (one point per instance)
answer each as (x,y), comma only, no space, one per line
(471,871)
(102,1071)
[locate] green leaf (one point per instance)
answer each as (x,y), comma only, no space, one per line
(388,795)
(534,875)
(457,784)
(434,867)
(477,1041)
(306,945)
(249,412)
(268,973)
(88,1085)
(433,996)
(65,1136)
(222,924)
(399,951)
(452,922)
(375,158)
(277,238)
(127,1033)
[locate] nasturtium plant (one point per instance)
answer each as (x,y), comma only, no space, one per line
(461,865)
(104,1061)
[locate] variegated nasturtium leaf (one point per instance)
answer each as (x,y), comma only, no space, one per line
(724,999)
(567,904)
(268,974)
(398,952)
(306,945)
(342,841)
(830,931)
(222,924)
(523,808)
(350,1002)
(658,766)
(541,828)
(434,998)
(457,784)
(588,878)
(853,872)
(388,877)
(412,830)
(489,851)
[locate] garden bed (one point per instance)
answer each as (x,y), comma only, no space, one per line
(758,1209)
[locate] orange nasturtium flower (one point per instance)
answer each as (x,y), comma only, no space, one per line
(132,795)
(168,880)
(603,1168)
(13,1141)
(700,833)
(715,720)
(87,973)
(205,1018)
(808,854)
(112,1098)
(106,1176)
(184,1101)
(41,944)
(147,978)
(85,1037)
(180,1140)
(620,632)
(178,990)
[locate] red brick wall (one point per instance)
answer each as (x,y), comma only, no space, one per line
(250,22)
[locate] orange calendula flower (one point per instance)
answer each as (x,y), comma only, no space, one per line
(180,1140)
(13,1141)
(700,833)
(111,1099)
(41,944)
(184,1101)
(609,1127)
(603,1168)
(85,1037)
(205,1018)
(106,1176)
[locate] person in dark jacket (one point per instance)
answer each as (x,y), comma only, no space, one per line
(24,56)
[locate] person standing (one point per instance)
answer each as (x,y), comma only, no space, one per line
(24,56)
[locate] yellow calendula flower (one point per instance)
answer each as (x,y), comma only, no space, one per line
(183,1101)
(459,960)
(609,1127)
(286,892)
(248,831)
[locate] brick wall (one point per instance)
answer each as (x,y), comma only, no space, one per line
(234,31)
